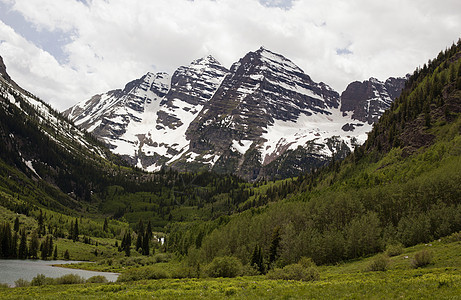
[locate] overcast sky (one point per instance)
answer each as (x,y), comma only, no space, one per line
(65,51)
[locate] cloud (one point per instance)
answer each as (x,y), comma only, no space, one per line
(106,43)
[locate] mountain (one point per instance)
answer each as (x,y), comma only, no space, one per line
(402,187)
(263,118)
(39,143)
(147,120)
(368,100)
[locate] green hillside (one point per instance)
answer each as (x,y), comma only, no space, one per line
(384,221)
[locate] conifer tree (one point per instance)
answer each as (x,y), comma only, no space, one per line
(33,246)
(105,227)
(16,224)
(22,251)
(75,232)
(145,244)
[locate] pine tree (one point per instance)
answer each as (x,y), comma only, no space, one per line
(55,253)
(139,242)
(16,224)
(41,228)
(66,255)
(145,244)
(34,244)
(105,227)
(273,250)
(75,232)
(22,251)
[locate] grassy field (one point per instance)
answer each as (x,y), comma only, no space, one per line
(441,279)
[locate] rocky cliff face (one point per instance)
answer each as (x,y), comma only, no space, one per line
(146,121)
(262,118)
(368,100)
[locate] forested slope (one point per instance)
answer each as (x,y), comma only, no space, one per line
(402,186)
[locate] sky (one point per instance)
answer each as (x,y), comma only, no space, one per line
(66,51)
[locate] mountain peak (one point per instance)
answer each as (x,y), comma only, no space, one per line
(3,72)
(206,61)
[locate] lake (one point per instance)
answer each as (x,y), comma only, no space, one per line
(13,269)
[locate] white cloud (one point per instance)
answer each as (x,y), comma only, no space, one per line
(114,41)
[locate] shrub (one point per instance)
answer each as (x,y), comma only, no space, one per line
(306,262)
(295,272)
(97,279)
(143,273)
(41,279)
(70,279)
(21,283)
(379,263)
(225,266)
(394,249)
(422,259)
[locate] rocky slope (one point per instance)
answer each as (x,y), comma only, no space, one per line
(250,120)
(368,100)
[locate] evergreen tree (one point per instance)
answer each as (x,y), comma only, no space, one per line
(33,245)
(6,241)
(41,227)
(139,242)
(149,230)
(75,232)
(16,224)
(55,253)
(66,255)
(145,244)
(22,251)
(105,227)
(126,243)
(273,250)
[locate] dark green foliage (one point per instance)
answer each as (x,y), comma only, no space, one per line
(275,242)
(379,263)
(422,259)
(394,249)
(22,251)
(97,279)
(66,255)
(126,243)
(70,279)
(34,245)
(300,271)
(257,260)
(224,266)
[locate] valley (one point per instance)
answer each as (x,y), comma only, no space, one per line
(263,184)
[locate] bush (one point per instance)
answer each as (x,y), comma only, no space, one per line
(144,273)
(394,249)
(379,263)
(41,279)
(422,259)
(295,272)
(307,262)
(225,266)
(21,283)
(97,279)
(70,279)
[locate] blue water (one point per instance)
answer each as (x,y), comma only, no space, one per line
(13,269)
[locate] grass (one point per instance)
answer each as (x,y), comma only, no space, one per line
(440,280)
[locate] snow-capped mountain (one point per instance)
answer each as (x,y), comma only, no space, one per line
(147,120)
(368,100)
(50,122)
(40,143)
(249,120)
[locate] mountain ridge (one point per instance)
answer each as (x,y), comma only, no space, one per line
(235,120)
